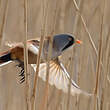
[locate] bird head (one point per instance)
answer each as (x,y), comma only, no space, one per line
(64,41)
(61,42)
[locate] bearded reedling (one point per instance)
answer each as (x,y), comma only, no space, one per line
(58,75)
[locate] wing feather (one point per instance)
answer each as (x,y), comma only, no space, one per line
(58,76)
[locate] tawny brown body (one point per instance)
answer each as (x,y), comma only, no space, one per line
(17,53)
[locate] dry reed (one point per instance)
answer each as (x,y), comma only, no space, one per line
(69,86)
(4,20)
(44,101)
(98,69)
(26,56)
(45,95)
(85,26)
(106,57)
(38,58)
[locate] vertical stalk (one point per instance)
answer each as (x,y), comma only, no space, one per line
(38,58)
(45,98)
(85,27)
(26,56)
(69,86)
(98,69)
(4,20)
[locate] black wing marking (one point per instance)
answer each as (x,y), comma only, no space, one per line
(21,74)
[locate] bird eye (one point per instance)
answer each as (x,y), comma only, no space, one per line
(69,38)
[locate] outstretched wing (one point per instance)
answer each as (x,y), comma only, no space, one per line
(58,76)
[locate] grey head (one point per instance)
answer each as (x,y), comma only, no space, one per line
(61,42)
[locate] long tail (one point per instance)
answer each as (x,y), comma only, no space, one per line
(5,58)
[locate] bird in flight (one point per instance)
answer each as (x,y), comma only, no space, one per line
(58,75)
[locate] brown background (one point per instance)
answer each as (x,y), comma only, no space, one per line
(63,14)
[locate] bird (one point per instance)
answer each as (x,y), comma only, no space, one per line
(58,74)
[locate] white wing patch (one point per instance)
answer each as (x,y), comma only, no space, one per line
(58,76)
(34,49)
(31,47)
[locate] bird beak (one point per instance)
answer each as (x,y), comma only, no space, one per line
(78,41)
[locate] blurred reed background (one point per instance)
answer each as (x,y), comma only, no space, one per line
(88,63)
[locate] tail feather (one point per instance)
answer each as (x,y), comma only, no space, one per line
(5,58)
